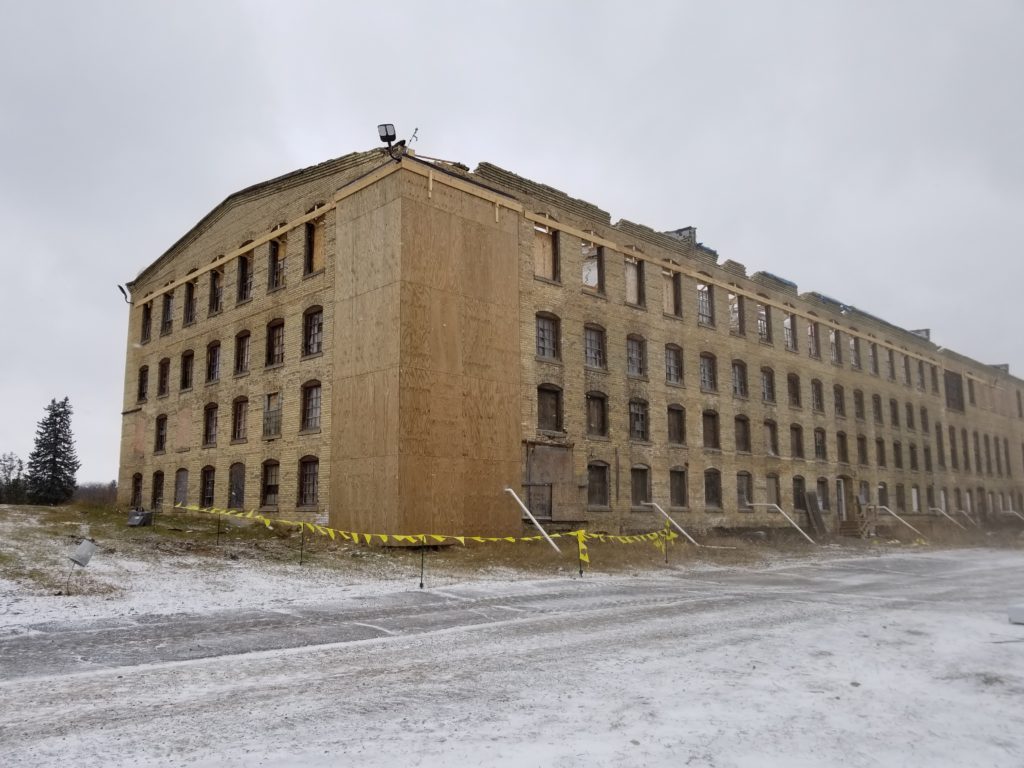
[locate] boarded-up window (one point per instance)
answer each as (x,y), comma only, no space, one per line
(640,482)
(593,266)
(549,408)
(545,252)
(597,414)
(597,484)
(181,486)
(672,293)
(679,494)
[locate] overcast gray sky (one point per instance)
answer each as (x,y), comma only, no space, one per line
(868,150)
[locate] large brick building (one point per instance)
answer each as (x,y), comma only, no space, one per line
(393,342)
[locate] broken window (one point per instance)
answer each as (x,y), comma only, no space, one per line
(799,494)
(924,419)
(189,316)
(768,385)
(313,250)
(594,346)
(773,489)
(906,369)
(789,331)
(673,364)
(313,331)
(839,399)
(817,396)
(244,292)
(548,347)
(858,404)
(549,408)
(272,415)
(793,389)
(163,378)
(894,413)
(143,384)
(897,454)
(954,390)
(676,425)
(275,342)
(910,416)
(187,363)
(181,487)
(890,365)
(309,481)
(842,449)
(236,486)
(634,281)
(210,424)
(242,353)
(920,375)
(545,253)
(597,484)
(276,264)
(213,361)
(737,319)
(640,485)
(271,479)
(796,441)
(873,358)
(880,451)
(835,346)
(206,487)
(216,291)
(147,322)
(771,438)
(636,356)
(744,491)
(813,340)
(672,293)
(705,304)
(157,499)
(593,266)
(854,352)
(167,316)
(708,372)
(764,323)
(638,422)
(160,442)
(239,418)
(862,450)
(739,378)
(823,494)
(311,395)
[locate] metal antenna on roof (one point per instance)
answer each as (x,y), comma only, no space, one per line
(414,137)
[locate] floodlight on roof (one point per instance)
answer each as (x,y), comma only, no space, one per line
(387,133)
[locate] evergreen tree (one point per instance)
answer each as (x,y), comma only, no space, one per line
(12,482)
(53,463)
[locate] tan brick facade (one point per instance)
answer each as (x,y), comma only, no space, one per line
(431,367)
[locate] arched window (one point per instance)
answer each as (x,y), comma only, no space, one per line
(712,489)
(842,449)
(594,355)
(883,495)
(772,489)
(708,372)
(639,426)
(548,336)
(636,355)
(143,384)
(158,491)
(597,414)
(771,438)
(676,424)
(160,437)
(549,408)
(242,353)
(768,385)
(742,434)
(839,399)
(597,484)
(744,491)
(309,481)
(739,378)
(817,396)
(210,424)
(796,441)
(212,361)
(880,451)
(236,486)
(823,494)
(275,342)
(858,404)
(820,444)
(136,500)
(206,487)
(270,484)
(712,438)
(679,492)
(915,499)
(188,359)
(311,398)
(163,378)
(181,487)
(673,364)
(793,389)
(313,331)
(799,494)
(640,485)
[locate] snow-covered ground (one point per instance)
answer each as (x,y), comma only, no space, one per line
(899,659)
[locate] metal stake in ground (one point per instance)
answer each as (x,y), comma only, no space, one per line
(218,530)
(302,541)
(423,557)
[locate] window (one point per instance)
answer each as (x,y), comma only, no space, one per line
(269,486)
(311,394)
(593,266)
(160,441)
(705,304)
(842,449)
(817,396)
(275,343)
(147,322)
(855,353)
(272,415)
(935,380)
(672,293)
(188,359)
(858,404)
(988,455)
(862,450)
(712,488)
(210,424)
(970,392)
(545,252)
(143,384)
(239,418)
(920,375)
(597,414)
(789,331)
(793,388)
(897,454)
(813,339)
(835,346)
(873,358)
(901,498)
(634,281)
(167,316)
(640,485)
(216,291)
(954,459)
(549,408)
(771,438)
(710,424)
(676,425)
(276,264)
(910,416)
(737,318)
(839,399)
(309,481)
(678,490)
(924,419)
(236,486)
(890,365)
(157,498)
(313,331)
(915,499)
(796,441)
(206,486)
(894,413)
(927,452)
(823,495)
(906,369)
(163,378)
(593,346)
(708,372)
(764,323)
(673,364)
(820,444)
(739,378)
(242,353)
(636,356)
(768,385)
(181,487)
(245,277)
(879,451)
(954,390)
(213,361)
(547,336)
(799,494)
(597,484)
(313,250)
(638,423)
(744,491)
(773,489)
(742,434)
(189,315)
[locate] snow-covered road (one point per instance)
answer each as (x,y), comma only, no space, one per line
(904,659)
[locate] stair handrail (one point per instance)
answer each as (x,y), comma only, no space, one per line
(529,514)
(882,506)
(678,527)
(943,513)
(973,521)
(792,522)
